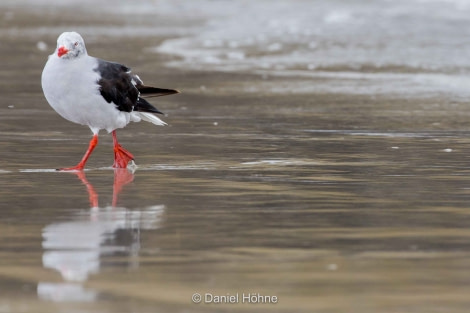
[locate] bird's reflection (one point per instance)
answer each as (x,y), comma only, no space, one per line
(74,247)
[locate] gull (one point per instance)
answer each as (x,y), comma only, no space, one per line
(96,93)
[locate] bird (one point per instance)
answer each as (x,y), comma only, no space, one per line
(100,94)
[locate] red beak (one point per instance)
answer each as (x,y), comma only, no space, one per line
(62,50)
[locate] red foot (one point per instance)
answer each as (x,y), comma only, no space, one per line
(121,157)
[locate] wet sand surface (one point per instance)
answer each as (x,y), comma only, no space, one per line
(331,202)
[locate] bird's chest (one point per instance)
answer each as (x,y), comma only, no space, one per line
(71,88)
(74,80)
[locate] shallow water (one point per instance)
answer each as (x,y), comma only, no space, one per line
(335,199)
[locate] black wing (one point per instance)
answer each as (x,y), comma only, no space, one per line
(119,86)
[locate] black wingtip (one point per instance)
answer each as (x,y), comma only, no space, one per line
(147,91)
(143,105)
(158,111)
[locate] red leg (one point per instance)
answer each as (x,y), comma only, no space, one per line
(121,156)
(81,164)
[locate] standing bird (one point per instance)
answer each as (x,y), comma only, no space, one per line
(96,93)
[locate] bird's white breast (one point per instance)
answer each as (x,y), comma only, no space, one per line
(71,88)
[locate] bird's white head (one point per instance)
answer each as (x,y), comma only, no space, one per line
(70,45)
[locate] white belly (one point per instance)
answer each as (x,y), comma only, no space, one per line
(71,88)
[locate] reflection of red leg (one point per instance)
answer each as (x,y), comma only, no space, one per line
(121,156)
(91,191)
(122,177)
(81,164)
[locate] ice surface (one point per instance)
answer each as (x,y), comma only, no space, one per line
(420,45)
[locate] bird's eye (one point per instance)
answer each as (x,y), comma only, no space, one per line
(76,43)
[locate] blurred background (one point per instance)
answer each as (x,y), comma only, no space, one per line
(318,153)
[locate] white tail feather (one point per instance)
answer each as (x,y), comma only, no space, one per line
(149,117)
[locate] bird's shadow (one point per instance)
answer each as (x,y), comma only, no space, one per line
(75,247)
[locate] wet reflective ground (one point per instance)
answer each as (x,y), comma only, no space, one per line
(330,202)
